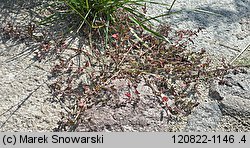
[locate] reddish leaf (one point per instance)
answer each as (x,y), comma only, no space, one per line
(80,70)
(136,92)
(164,98)
(183,85)
(87,64)
(64,45)
(81,104)
(128,95)
(115,36)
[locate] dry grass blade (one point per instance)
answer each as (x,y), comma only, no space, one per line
(240,54)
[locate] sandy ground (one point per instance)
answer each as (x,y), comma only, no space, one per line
(25,98)
(226,29)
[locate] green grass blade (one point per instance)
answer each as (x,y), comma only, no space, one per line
(171,6)
(147,29)
(84,21)
(158,16)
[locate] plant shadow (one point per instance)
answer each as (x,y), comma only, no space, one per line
(22,36)
(22,22)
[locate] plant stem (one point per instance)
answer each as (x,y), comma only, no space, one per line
(171,6)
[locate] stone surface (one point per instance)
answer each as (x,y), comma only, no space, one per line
(236,101)
(204,118)
(122,115)
(236,106)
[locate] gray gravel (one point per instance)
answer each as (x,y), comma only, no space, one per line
(226,31)
(25,104)
(24,96)
(204,118)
